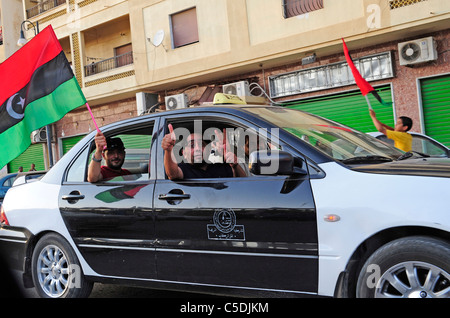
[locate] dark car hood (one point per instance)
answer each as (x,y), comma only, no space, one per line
(436,167)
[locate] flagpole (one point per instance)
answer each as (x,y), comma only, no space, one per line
(368,102)
(93,119)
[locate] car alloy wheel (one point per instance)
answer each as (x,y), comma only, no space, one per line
(409,267)
(56,271)
(414,280)
(53,271)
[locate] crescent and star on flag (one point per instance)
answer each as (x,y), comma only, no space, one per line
(10,109)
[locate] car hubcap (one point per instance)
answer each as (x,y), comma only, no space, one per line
(53,271)
(414,280)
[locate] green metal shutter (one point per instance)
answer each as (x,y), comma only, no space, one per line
(350,108)
(136,141)
(34,154)
(436,108)
(68,143)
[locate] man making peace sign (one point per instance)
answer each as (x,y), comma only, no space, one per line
(194,165)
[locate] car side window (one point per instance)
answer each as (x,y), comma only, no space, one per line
(77,170)
(219,137)
(135,166)
(8,182)
(426,146)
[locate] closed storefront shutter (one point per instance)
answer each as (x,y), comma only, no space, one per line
(136,141)
(350,108)
(130,141)
(68,143)
(34,154)
(436,108)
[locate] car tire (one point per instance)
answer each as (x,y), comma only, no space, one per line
(412,267)
(56,271)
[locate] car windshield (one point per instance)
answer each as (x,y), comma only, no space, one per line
(338,141)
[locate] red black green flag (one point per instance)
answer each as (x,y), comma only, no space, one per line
(363,85)
(37,88)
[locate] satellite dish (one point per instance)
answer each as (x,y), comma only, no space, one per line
(158,38)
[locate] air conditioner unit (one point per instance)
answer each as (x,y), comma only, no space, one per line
(39,135)
(145,102)
(239,88)
(417,51)
(176,101)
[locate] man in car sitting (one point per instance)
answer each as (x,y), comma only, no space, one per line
(113,151)
(194,166)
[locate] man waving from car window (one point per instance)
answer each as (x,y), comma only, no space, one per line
(193,165)
(113,151)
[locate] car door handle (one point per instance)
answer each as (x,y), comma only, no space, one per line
(73,197)
(174,197)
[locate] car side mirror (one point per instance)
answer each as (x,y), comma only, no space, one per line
(271,162)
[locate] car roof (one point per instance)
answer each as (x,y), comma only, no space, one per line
(240,110)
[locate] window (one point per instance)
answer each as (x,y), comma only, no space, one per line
(123,55)
(242,141)
(372,68)
(8,182)
(426,146)
(184,28)
(293,8)
(137,143)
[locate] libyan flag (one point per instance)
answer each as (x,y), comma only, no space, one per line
(37,88)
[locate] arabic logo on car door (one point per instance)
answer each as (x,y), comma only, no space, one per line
(224,227)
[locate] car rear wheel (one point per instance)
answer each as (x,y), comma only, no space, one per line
(413,267)
(56,270)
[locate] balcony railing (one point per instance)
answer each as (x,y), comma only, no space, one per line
(109,64)
(44,6)
(294,8)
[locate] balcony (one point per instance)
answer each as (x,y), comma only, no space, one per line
(43,6)
(109,64)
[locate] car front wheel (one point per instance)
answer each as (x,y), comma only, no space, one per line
(412,267)
(56,271)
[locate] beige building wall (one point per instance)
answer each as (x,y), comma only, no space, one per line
(238,40)
(235,36)
(10,20)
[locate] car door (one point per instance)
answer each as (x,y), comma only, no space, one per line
(256,232)
(111,221)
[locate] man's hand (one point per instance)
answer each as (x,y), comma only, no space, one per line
(378,124)
(170,165)
(94,171)
(168,141)
(100,143)
(223,147)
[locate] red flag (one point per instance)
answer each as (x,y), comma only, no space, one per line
(363,85)
(19,68)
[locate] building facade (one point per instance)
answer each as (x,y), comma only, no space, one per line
(136,56)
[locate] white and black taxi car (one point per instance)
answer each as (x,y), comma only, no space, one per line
(323,211)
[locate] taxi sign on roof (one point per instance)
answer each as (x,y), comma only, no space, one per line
(221,98)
